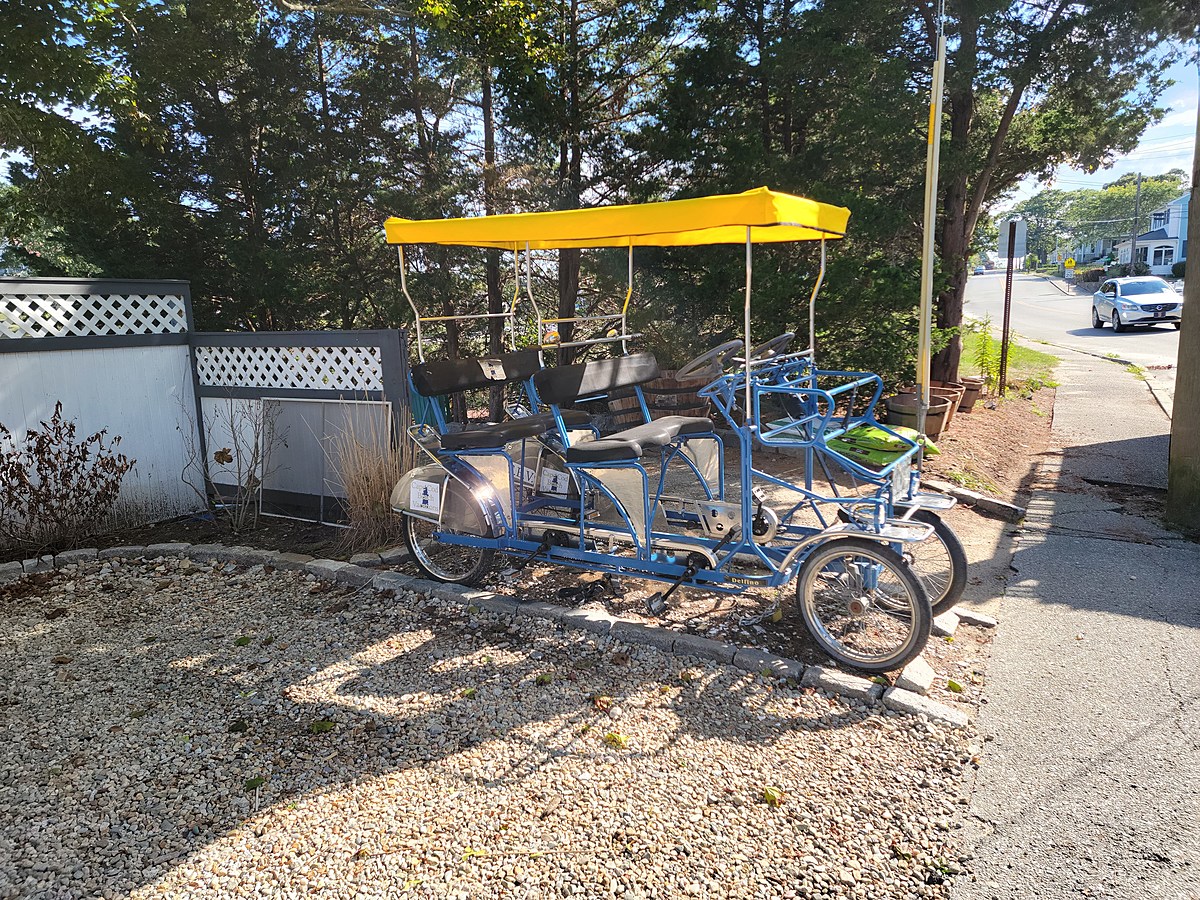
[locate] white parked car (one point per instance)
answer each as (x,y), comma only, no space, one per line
(1145,300)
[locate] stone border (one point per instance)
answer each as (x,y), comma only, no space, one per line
(1001,509)
(596,621)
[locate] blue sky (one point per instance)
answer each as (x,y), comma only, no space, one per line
(1167,145)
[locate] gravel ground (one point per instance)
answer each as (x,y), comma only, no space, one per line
(175,729)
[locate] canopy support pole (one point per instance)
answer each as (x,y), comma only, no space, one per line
(625,307)
(925,340)
(408,297)
(512,309)
(746,322)
(812,308)
(529,293)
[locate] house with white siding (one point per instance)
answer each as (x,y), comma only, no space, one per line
(1165,243)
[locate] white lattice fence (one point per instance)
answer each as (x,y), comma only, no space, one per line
(351,369)
(85,315)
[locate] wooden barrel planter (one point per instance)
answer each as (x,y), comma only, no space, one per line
(902,410)
(666,395)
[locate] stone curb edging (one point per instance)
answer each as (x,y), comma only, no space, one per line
(1001,509)
(599,622)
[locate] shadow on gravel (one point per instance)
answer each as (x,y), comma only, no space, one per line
(145,725)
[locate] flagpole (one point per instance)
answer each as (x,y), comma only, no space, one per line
(925,340)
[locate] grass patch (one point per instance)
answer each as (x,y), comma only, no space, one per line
(1028,369)
(972,482)
(1136,371)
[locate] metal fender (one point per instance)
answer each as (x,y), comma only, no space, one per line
(434,493)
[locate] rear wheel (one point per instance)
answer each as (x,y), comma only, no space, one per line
(446,562)
(863,605)
(940,562)
(1118,326)
(1097,322)
(1178,325)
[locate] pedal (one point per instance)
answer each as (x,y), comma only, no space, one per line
(656,604)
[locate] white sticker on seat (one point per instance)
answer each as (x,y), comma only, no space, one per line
(425,496)
(493,369)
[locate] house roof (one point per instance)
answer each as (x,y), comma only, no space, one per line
(1158,234)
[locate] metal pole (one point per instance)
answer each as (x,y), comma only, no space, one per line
(1137,210)
(746,349)
(1008,279)
(932,157)
(812,308)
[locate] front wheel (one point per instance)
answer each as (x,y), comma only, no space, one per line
(1097,322)
(1178,325)
(940,562)
(1118,325)
(863,605)
(457,563)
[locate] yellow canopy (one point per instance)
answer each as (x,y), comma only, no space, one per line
(771,216)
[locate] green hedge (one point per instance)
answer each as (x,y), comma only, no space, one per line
(1177,269)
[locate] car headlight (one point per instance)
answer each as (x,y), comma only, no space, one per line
(1127,304)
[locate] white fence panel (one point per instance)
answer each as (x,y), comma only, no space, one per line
(143,394)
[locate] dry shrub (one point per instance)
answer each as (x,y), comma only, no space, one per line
(368,467)
(56,489)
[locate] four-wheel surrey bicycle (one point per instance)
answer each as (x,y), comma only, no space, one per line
(660,500)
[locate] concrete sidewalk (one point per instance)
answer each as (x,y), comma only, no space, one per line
(1090,765)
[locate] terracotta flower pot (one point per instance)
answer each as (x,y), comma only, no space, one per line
(952,391)
(972,390)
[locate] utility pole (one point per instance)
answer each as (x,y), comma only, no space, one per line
(1137,211)
(1183,466)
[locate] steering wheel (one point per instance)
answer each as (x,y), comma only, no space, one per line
(705,361)
(773,347)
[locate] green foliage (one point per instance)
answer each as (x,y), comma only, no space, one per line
(1028,369)
(1066,218)
(1178,268)
(255,150)
(1122,270)
(983,350)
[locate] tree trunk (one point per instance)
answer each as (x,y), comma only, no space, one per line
(959,227)
(1183,469)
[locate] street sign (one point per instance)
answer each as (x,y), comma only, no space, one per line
(1070,263)
(1018,249)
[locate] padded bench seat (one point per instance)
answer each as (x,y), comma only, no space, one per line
(572,418)
(630,443)
(486,437)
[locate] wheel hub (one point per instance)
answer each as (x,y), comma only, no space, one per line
(858,606)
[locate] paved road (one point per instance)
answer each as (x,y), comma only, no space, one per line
(1087,786)
(1042,312)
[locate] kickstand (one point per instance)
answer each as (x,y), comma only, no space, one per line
(657,603)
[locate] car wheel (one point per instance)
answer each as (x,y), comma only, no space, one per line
(1118,327)
(1178,325)
(1097,322)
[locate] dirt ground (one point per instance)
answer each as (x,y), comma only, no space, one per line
(992,448)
